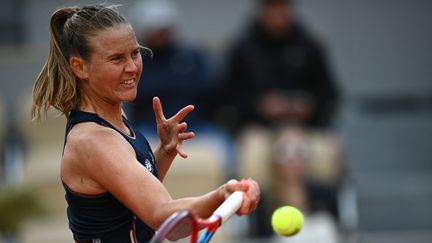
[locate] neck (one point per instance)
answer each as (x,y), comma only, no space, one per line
(109,111)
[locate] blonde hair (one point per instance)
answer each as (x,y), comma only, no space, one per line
(70,28)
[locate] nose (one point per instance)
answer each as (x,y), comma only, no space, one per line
(131,66)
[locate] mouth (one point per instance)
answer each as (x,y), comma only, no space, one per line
(129,82)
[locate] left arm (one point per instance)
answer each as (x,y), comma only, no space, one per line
(172,134)
(326,90)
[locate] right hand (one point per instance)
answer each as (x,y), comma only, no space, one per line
(251,195)
(274,105)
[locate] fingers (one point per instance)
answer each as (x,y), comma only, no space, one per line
(181,151)
(183,136)
(186,136)
(251,195)
(182,127)
(172,131)
(157,108)
(183,113)
(159,114)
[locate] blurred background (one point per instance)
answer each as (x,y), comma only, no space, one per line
(376,162)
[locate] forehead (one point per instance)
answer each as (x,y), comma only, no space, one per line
(113,39)
(276,7)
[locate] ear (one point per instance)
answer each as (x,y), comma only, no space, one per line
(79,67)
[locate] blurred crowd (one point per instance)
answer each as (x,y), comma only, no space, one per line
(271,101)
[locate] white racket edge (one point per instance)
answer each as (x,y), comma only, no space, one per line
(229,206)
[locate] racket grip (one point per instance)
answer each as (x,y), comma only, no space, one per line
(229,206)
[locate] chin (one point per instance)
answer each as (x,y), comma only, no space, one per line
(129,99)
(130,96)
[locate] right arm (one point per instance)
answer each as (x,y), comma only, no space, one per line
(113,166)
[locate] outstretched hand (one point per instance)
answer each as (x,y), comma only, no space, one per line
(172,131)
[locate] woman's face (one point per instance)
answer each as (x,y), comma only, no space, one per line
(114,67)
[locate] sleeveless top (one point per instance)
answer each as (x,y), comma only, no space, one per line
(103,218)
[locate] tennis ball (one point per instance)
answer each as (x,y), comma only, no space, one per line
(287,221)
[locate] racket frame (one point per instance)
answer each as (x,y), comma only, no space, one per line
(210,225)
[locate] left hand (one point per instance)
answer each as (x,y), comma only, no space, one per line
(172,131)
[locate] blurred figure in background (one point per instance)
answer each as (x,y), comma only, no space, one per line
(13,147)
(278,78)
(178,73)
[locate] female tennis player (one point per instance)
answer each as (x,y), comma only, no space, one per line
(111,176)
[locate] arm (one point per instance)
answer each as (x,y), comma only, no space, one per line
(326,90)
(112,165)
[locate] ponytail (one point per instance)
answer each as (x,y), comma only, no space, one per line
(56,84)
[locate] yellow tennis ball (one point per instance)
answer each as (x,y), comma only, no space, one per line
(287,221)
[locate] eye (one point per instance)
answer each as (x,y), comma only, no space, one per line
(116,58)
(136,53)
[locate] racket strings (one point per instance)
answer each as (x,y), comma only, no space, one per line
(182,229)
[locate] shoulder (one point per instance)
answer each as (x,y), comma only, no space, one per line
(90,142)
(90,133)
(188,51)
(244,43)
(312,41)
(92,151)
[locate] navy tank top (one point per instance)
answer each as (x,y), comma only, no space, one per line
(103,218)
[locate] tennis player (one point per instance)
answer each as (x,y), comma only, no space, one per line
(112,179)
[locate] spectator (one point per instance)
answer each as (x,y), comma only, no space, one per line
(278,78)
(178,73)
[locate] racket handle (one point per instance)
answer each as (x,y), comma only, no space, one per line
(229,206)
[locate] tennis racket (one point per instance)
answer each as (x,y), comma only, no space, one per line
(184,224)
